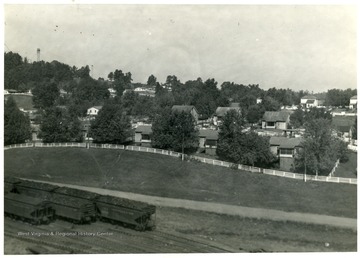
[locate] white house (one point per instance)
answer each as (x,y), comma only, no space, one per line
(112,92)
(353,102)
(309,101)
(93,111)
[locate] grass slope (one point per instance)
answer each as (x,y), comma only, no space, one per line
(165,176)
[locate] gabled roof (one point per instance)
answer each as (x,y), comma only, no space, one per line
(354,97)
(344,128)
(209,134)
(276,116)
(285,143)
(309,97)
(343,120)
(144,129)
(97,107)
(221,111)
(183,108)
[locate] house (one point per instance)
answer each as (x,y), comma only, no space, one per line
(112,92)
(187,109)
(353,102)
(309,101)
(63,93)
(208,140)
(286,149)
(35,129)
(143,91)
(143,135)
(344,127)
(93,111)
(276,120)
(221,112)
(258,100)
(343,112)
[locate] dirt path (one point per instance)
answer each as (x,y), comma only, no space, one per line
(249,212)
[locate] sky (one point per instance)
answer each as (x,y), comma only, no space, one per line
(301,47)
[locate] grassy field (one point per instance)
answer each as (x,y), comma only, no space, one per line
(165,176)
(348,169)
(23,101)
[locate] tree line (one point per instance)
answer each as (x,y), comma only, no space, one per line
(59,113)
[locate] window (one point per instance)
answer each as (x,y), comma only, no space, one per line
(270,124)
(286,151)
(145,137)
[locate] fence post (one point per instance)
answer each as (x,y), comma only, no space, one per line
(213,162)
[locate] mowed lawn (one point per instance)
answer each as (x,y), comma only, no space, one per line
(348,169)
(159,175)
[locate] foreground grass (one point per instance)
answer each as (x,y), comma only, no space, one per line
(254,235)
(165,176)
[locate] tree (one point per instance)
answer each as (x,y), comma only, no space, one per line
(297,118)
(320,149)
(270,104)
(151,81)
(111,76)
(16,125)
(45,94)
(354,134)
(58,126)
(316,113)
(175,131)
(111,125)
(254,114)
(236,146)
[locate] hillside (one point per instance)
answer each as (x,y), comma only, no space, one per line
(165,176)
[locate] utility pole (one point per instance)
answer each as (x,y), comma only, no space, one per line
(305,166)
(182,147)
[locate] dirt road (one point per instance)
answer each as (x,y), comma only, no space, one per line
(249,212)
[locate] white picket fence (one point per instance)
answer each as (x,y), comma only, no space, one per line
(215,162)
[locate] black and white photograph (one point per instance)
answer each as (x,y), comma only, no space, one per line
(188,128)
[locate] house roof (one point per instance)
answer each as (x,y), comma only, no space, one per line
(183,108)
(221,111)
(343,124)
(354,97)
(97,107)
(234,104)
(309,97)
(310,101)
(285,143)
(344,128)
(276,116)
(144,129)
(209,134)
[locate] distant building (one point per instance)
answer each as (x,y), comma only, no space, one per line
(234,104)
(276,120)
(113,92)
(143,135)
(353,102)
(258,101)
(208,140)
(187,109)
(221,112)
(286,149)
(143,91)
(93,111)
(344,127)
(309,101)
